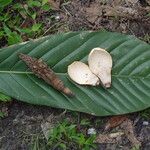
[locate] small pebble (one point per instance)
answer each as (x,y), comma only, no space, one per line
(145,123)
(57,17)
(91,131)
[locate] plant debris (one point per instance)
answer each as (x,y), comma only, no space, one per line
(128,128)
(41,69)
(115,121)
(55,4)
(109,138)
(120,11)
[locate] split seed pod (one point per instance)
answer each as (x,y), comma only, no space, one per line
(100,63)
(41,69)
(81,74)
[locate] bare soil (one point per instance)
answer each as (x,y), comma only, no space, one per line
(126,16)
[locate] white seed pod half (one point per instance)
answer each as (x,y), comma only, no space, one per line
(81,74)
(100,63)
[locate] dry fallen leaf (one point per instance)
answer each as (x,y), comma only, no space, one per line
(109,138)
(120,11)
(128,128)
(93,11)
(55,4)
(115,121)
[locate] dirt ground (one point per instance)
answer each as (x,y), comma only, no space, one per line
(126,16)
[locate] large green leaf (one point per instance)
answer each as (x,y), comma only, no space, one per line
(130,89)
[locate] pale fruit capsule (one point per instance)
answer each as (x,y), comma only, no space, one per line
(81,74)
(100,63)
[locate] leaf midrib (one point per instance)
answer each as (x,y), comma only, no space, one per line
(64,74)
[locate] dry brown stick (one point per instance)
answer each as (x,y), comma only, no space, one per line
(41,69)
(125,12)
